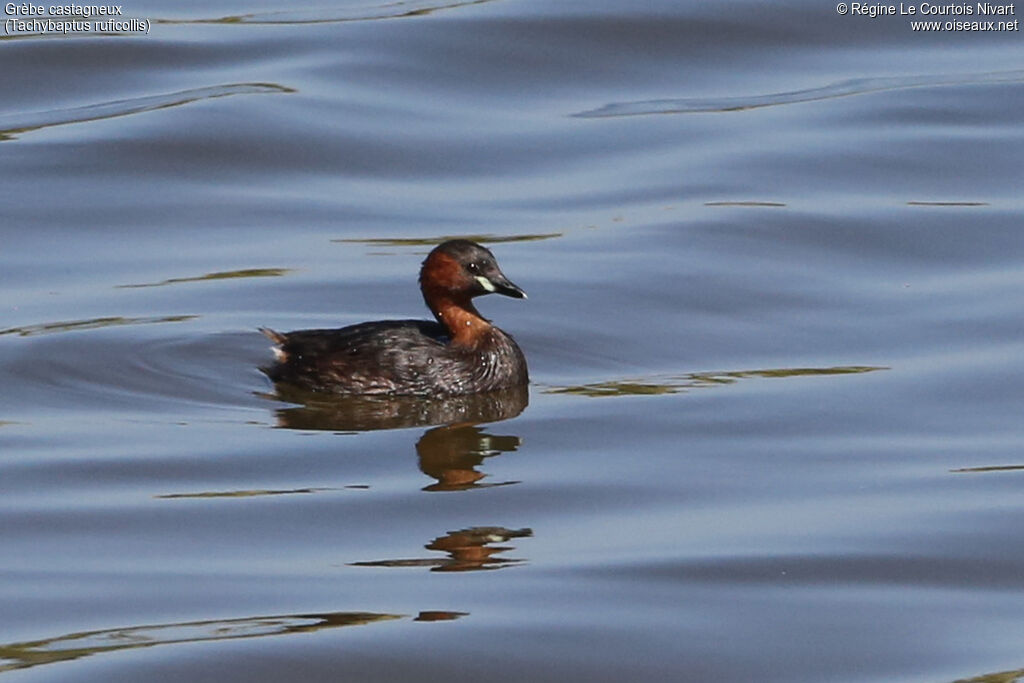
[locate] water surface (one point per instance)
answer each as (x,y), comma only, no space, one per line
(773,431)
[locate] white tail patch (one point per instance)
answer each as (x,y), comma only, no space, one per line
(278,340)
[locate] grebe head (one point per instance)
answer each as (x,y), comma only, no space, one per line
(461,270)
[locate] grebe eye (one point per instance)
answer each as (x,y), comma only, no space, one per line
(473,268)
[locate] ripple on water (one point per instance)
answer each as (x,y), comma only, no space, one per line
(12,124)
(672,384)
(77,645)
(95,363)
(371,12)
(855,86)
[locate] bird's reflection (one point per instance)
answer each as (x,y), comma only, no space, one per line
(449,453)
(318,411)
(469,549)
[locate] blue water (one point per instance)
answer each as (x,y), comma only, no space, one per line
(773,431)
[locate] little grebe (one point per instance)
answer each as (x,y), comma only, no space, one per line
(461,353)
